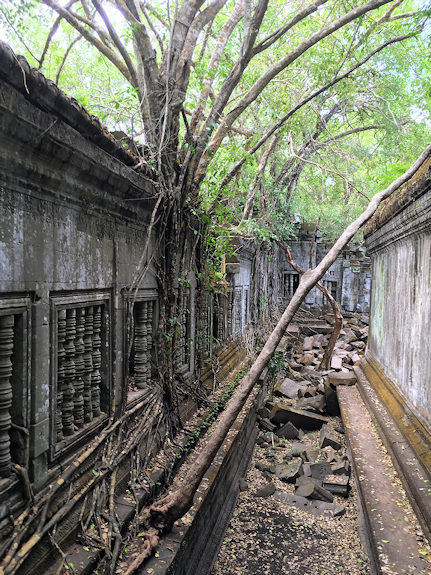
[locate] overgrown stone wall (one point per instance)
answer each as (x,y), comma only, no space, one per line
(74,224)
(348,279)
(400,318)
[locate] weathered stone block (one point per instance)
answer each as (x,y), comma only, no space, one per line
(327,440)
(265,491)
(348,378)
(289,472)
(288,431)
(301,419)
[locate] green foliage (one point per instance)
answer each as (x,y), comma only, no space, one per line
(391,91)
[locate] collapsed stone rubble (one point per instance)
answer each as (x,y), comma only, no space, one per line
(301,443)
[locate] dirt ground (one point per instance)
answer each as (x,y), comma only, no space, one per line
(268,536)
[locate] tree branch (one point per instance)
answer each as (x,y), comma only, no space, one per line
(52,33)
(105,50)
(305,101)
(301,15)
(117,42)
(273,71)
(66,54)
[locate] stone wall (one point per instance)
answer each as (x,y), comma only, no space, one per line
(399,242)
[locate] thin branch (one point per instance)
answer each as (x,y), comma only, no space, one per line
(105,50)
(301,15)
(18,35)
(51,34)
(117,42)
(323,168)
(66,54)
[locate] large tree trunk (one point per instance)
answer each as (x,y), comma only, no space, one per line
(175,505)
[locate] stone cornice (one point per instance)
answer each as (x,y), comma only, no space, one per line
(414,219)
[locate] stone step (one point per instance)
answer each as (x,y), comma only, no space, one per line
(391,528)
(412,464)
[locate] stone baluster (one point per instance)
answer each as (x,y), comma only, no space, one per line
(141,359)
(97,361)
(88,363)
(6,347)
(78,399)
(182,336)
(69,373)
(149,338)
(230,311)
(61,354)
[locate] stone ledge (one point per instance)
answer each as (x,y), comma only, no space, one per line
(406,439)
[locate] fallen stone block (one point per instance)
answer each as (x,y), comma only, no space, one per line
(355,358)
(265,491)
(337,485)
(315,507)
(289,472)
(301,419)
(310,455)
(305,480)
(314,491)
(264,467)
(329,454)
(318,403)
(288,431)
(340,378)
(358,344)
(320,469)
(340,468)
(336,362)
(266,425)
(297,449)
(308,343)
(327,440)
(288,388)
(243,485)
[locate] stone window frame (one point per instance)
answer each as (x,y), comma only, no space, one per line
(142,295)
(246,306)
(289,279)
(187,322)
(237,320)
(332,286)
(58,302)
(219,314)
(19,305)
(205,324)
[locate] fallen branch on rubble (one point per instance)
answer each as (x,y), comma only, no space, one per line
(172,507)
(338,323)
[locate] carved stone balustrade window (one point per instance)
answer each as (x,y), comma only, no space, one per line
(141,356)
(219,321)
(331,286)
(205,325)
(14,368)
(81,365)
(237,311)
(182,348)
(291,283)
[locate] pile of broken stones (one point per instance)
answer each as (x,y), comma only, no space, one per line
(301,440)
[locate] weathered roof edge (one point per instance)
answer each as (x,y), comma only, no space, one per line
(418,185)
(46,95)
